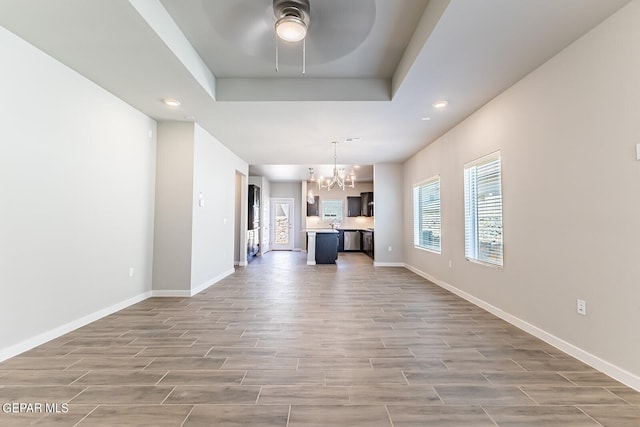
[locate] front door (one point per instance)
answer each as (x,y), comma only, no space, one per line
(282,215)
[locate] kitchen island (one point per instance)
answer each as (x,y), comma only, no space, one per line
(322,246)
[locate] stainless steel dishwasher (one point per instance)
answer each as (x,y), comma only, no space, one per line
(352,240)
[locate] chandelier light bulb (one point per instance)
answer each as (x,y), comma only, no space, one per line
(339,178)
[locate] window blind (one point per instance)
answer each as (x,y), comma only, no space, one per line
(483,210)
(427,222)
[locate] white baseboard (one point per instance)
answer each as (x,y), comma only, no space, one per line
(595,362)
(186,294)
(160,293)
(388,264)
(311,262)
(211,282)
(242,264)
(54,333)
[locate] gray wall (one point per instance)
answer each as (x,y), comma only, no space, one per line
(567,135)
(174,210)
(388,213)
(291,190)
(77,194)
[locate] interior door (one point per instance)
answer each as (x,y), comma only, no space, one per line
(282,215)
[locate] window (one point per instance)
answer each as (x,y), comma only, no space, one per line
(483,210)
(426,215)
(332,210)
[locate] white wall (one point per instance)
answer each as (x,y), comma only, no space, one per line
(76,196)
(567,136)
(195,244)
(213,231)
(291,190)
(388,211)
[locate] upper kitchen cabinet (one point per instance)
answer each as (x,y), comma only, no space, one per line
(366,201)
(354,206)
(313,209)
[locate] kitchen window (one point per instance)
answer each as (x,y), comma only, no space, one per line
(426,215)
(483,210)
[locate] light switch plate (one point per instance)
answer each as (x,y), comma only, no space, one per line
(637,151)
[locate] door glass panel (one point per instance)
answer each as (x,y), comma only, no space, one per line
(282,232)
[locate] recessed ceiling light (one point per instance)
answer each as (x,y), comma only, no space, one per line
(426,118)
(172,102)
(440,104)
(356,166)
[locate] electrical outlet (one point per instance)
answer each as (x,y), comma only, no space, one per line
(389,248)
(581,307)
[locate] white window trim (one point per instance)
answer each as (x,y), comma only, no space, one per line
(415,186)
(496,155)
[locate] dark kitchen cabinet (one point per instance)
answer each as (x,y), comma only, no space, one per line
(313,209)
(340,240)
(354,206)
(253,219)
(254,208)
(367,243)
(366,201)
(326,248)
(253,244)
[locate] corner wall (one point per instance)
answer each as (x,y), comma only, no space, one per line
(76,195)
(567,135)
(174,207)
(388,181)
(194,245)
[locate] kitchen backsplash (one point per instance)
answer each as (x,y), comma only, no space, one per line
(358,222)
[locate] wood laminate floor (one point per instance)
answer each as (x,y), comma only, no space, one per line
(280,343)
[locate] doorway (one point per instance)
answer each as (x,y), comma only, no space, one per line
(282,224)
(240,231)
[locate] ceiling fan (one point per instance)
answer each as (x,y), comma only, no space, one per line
(292,21)
(328,29)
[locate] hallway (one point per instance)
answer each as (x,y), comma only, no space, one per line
(280,343)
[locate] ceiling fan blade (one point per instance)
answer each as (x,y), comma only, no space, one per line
(337,28)
(246,24)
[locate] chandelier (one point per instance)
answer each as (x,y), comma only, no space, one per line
(311,198)
(339,179)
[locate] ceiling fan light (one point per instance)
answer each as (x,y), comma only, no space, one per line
(291,29)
